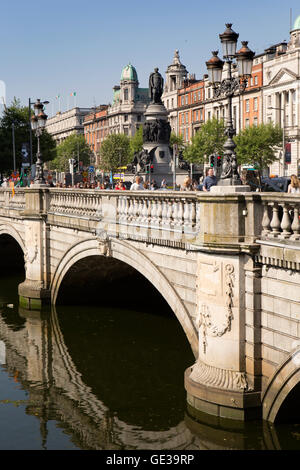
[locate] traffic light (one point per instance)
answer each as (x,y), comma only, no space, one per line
(75,165)
(219,161)
(211,161)
(147,169)
(151,168)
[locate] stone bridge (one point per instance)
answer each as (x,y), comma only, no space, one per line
(227,265)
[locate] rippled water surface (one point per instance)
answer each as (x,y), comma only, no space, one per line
(92,377)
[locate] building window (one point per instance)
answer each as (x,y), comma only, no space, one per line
(208,115)
(256,80)
(182,118)
(187,134)
(255,104)
(182,100)
(247,123)
(208,93)
(255,121)
(167,104)
(269,100)
(186,99)
(199,95)
(172,102)
(139,118)
(247,106)
(186,118)
(126,117)
(125,94)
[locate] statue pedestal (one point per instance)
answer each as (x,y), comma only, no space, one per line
(157,142)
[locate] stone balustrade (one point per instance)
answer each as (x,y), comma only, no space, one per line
(169,215)
(281,217)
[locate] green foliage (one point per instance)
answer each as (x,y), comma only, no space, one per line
(19,116)
(176,139)
(73,146)
(136,142)
(258,144)
(115,152)
(209,139)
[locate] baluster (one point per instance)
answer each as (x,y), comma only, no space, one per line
(186,215)
(149,211)
(275,222)
(285,222)
(296,224)
(266,220)
(174,213)
(180,214)
(154,213)
(164,214)
(193,214)
(144,218)
(169,213)
(159,212)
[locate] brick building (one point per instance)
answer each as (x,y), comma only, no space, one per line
(96,129)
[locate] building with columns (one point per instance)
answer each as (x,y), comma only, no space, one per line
(281,96)
(126,113)
(176,74)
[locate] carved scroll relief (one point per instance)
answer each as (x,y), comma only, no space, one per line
(205,321)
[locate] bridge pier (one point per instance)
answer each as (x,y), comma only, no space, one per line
(34,292)
(222,382)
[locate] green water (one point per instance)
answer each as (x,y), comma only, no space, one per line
(92,377)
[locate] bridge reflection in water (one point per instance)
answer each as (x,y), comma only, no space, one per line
(107,378)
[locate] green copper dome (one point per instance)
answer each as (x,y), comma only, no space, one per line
(297,24)
(129,73)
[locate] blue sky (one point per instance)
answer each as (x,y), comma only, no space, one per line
(57,47)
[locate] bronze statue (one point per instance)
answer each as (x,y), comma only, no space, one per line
(156,84)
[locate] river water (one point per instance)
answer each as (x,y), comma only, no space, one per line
(92,377)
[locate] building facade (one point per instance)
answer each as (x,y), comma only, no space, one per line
(176,74)
(281,96)
(190,102)
(62,125)
(126,113)
(96,129)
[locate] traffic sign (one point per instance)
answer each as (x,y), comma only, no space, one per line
(91,169)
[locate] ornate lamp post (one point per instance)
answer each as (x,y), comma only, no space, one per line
(227,88)
(38,122)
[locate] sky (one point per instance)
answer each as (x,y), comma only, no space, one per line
(60,47)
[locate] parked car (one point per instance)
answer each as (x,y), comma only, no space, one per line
(279,184)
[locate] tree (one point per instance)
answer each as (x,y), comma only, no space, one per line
(209,139)
(176,139)
(258,145)
(115,152)
(74,146)
(136,142)
(17,116)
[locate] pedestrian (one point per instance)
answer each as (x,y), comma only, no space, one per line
(187,184)
(138,185)
(210,180)
(154,185)
(294,186)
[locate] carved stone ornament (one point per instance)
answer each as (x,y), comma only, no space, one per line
(104,247)
(30,253)
(220,378)
(204,319)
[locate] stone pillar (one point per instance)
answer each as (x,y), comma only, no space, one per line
(34,291)
(219,383)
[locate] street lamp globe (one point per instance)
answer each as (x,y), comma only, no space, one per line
(244,58)
(215,68)
(229,41)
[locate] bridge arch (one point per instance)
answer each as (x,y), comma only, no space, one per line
(283,382)
(7,229)
(123,251)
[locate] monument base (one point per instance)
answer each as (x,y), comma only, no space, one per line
(230,189)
